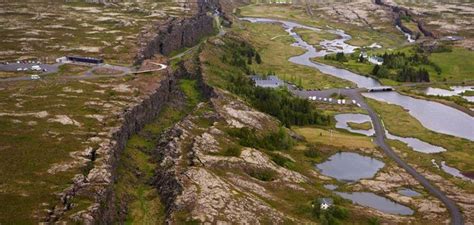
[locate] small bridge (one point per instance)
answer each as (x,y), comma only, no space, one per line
(380,89)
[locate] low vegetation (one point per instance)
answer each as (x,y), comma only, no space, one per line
(360,126)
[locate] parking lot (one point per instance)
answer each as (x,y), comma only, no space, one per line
(29,66)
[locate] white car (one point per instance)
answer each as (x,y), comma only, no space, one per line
(36,68)
(19,69)
(35,77)
(25,69)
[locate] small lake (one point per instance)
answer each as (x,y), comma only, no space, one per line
(377,202)
(331,187)
(342,121)
(409,192)
(350,167)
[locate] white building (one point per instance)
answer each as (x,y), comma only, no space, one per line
(325,203)
(268,82)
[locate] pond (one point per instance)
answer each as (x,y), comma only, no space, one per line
(409,192)
(417,144)
(331,187)
(344,119)
(350,167)
(377,202)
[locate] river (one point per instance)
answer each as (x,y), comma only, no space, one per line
(432,115)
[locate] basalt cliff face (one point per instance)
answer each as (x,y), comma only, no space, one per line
(97,183)
(176,33)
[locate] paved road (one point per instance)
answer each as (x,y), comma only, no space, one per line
(354,94)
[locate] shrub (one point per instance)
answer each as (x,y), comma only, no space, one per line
(282,161)
(311,152)
(233,151)
(273,141)
(262,174)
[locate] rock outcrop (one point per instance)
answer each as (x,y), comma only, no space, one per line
(189,158)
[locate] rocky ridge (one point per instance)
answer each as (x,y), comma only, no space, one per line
(188,177)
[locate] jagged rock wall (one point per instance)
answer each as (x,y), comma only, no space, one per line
(399,12)
(176,34)
(98,182)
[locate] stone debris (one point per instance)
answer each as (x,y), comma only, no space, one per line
(70,90)
(41,114)
(65,120)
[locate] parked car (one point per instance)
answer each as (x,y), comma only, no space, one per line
(35,77)
(36,68)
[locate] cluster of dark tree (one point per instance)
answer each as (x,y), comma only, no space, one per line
(406,74)
(290,110)
(408,68)
(242,55)
(279,140)
(340,57)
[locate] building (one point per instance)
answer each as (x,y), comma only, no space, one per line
(375,60)
(62,60)
(372,59)
(84,59)
(325,203)
(267,82)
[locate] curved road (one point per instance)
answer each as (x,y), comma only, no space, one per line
(454,211)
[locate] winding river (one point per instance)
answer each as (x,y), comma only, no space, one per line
(434,116)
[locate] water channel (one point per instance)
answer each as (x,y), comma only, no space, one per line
(434,116)
(414,143)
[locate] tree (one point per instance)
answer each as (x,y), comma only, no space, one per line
(341,57)
(258,59)
(375,70)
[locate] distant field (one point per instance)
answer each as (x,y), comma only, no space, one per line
(46,126)
(334,138)
(457,65)
(387,35)
(48,30)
